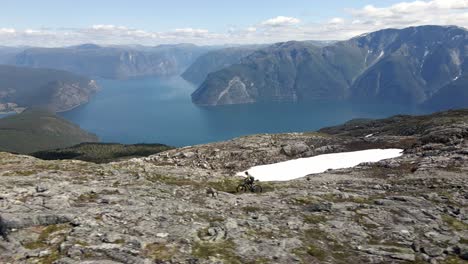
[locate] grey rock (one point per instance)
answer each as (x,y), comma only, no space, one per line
(295,149)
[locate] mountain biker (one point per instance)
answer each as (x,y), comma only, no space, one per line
(249,179)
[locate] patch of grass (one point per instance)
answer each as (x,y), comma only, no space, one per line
(453,260)
(227,184)
(315,219)
(260,260)
(251,209)
(210,217)
(322,247)
(20,173)
(455,223)
(158,252)
(89,197)
(82,243)
(303,200)
(463,241)
(224,250)
(44,236)
(50,259)
(317,252)
(119,241)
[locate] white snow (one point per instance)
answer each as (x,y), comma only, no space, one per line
(293,169)
(382,53)
(370,135)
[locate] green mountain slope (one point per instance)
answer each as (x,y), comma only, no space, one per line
(216,60)
(37,129)
(451,96)
(406,66)
(57,90)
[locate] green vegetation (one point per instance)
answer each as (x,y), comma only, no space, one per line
(453,260)
(224,250)
(90,197)
(455,223)
(315,219)
(322,247)
(316,252)
(39,129)
(251,209)
(47,234)
(158,252)
(102,152)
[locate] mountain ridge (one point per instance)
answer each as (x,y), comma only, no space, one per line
(409,64)
(113,62)
(55,89)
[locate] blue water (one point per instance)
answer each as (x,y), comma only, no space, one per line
(160,111)
(6,114)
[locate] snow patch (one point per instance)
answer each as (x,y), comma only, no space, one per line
(293,169)
(382,53)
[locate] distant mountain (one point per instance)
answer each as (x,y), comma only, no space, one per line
(38,129)
(407,66)
(216,60)
(118,62)
(452,96)
(57,90)
(8,53)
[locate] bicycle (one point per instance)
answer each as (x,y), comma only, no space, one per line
(255,188)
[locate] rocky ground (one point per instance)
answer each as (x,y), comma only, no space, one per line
(412,209)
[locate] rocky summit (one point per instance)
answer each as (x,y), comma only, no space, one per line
(181,206)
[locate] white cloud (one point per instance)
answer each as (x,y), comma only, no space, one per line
(336,20)
(7,30)
(281,21)
(355,22)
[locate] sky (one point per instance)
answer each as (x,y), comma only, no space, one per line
(212,22)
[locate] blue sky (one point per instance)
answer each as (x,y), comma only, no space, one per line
(66,22)
(170,14)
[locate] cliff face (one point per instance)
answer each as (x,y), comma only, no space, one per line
(157,210)
(405,66)
(216,60)
(54,89)
(113,62)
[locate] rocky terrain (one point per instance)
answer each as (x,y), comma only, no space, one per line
(412,209)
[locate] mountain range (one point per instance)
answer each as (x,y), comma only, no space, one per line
(216,60)
(423,65)
(114,62)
